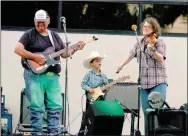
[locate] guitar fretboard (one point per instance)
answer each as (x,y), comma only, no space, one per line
(58,53)
(111,84)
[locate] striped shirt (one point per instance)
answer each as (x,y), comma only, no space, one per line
(93,80)
(153,73)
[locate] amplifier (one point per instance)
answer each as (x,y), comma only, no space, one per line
(126,93)
(166,121)
(2,103)
(105,118)
(25,114)
(6,123)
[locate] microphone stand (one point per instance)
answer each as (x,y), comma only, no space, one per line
(137,132)
(63,20)
(133,115)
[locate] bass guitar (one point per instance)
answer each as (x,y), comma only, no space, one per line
(49,55)
(99,90)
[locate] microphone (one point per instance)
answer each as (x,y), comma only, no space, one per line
(134,27)
(63,19)
(85,9)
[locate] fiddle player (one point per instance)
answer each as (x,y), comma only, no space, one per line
(153,70)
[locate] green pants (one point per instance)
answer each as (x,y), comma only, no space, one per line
(44,92)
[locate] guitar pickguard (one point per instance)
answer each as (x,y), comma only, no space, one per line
(50,61)
(40,68)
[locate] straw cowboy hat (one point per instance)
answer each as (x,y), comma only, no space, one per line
(93,55)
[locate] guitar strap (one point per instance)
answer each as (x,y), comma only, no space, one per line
(50,36)
(103,78)
(51,39)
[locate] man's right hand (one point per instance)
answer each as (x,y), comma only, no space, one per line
(40,59)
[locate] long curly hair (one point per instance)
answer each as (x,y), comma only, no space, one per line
(154,24)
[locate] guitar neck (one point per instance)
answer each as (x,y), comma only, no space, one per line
(110,84)
(58,53)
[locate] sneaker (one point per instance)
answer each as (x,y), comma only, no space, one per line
(36,133)
(53,134)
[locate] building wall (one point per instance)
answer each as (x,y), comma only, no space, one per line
(116,47)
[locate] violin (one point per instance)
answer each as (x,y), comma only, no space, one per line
(151,39)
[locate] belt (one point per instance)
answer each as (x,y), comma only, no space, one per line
(50,74)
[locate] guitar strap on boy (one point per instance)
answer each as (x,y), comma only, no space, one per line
(103,78)
(50,36)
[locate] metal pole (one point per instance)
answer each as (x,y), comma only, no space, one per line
(140,15)
(59,15)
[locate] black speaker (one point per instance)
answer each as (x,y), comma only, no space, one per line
(166,122)
(105,118)
(184,107)
(25,112)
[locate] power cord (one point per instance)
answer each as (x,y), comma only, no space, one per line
(19,119)
(82,103)
(78,113)
(68,126)
(69,123)
(74,118)
(127,117)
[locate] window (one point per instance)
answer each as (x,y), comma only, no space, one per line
(21,13)
(172,18)
(96,15)
(100,15)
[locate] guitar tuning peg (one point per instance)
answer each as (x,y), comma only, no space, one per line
(94,38)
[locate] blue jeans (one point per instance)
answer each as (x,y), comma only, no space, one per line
(144,98)
(44,93)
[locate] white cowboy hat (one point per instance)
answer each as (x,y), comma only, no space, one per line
(93,55)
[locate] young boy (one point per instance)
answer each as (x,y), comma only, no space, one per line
(94,78)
